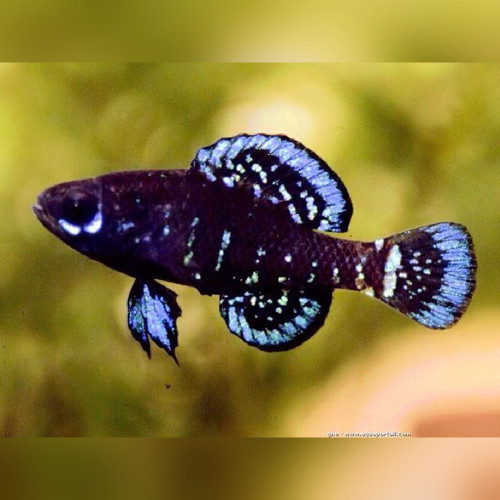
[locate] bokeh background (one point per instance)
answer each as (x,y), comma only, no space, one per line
(284,30)
(414,144)
(378,469)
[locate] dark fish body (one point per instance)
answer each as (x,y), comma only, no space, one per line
(169,215)
(243,223)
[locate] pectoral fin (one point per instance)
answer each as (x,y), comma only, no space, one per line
(152,313)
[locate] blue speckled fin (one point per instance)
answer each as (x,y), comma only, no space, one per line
(284,171)
(278,320)
(152,313)
(430,273)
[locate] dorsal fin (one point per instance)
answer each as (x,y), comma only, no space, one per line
(284,171)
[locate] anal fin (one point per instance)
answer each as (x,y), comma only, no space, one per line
(275,320)
(152,313)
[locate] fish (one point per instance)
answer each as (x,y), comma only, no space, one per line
(250,221)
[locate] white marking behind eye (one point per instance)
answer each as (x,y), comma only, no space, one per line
(226,238)
(95,224)
(189,255)
(70,228)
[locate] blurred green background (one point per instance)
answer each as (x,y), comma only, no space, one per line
(291,30)
(414,144)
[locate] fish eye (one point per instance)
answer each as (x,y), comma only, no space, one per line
(79,212)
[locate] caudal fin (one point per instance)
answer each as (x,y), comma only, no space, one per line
(430,273)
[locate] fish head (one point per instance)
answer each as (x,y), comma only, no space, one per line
(111,218)
(74,212)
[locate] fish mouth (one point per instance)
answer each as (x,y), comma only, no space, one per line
(39,210)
